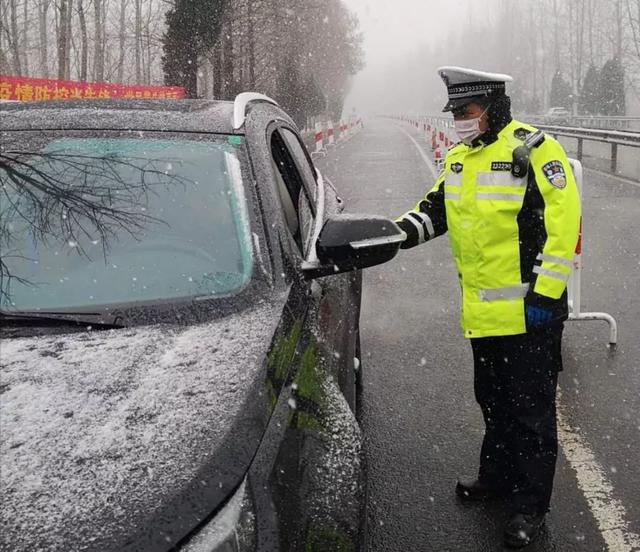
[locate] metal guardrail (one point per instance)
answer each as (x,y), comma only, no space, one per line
(612,137)
(587,121)
(616,138)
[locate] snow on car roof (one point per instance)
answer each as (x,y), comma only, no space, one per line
(157,115)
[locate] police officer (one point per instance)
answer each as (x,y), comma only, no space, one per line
(509,202)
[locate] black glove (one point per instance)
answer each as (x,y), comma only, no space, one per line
(411,231)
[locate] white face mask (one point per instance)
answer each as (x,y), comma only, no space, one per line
(469,129)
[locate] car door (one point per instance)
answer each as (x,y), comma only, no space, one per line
(316,507)
(339,295)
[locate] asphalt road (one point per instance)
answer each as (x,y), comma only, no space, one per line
(423,428)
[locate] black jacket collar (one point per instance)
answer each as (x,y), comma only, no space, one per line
(491,135)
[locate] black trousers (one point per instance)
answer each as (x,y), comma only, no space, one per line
(515,380)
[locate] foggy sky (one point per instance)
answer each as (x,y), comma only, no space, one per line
(397,31)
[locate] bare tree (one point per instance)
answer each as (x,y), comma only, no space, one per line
(633,13)
(98,40)
(122,39)
(229,82)
(69,35)
(61,39)
(84,48)
(14,39)
(619,28)
(43,27)
(216,61)
(251,14)
(24,40)
(4,39)
(137,39)
(64,38)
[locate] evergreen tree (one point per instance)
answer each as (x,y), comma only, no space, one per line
(193,27)
(291,90)
(180,58)
(561,95)
(590,93)
(315,100)
(300,96)
(611,89)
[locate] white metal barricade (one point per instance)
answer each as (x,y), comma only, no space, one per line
(574,281)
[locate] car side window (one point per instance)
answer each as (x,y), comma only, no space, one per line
(293,194)
(303,161)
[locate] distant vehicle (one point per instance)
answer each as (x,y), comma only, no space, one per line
(188,379)
(557,116)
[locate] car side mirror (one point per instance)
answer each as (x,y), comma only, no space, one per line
(351,242)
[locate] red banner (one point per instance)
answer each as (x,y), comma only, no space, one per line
(26,90)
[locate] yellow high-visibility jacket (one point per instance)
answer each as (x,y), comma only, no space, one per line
(513,239)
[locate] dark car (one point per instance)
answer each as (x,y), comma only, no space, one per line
(180,345)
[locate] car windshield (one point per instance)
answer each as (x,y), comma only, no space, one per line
(111,219)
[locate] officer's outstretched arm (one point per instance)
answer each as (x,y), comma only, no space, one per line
(427,219)
(561,199)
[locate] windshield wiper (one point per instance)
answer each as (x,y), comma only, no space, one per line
(43,318)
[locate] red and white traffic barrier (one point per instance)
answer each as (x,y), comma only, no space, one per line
(353,126)
(327,134)
(344,130)
(319,138)
(331,134)
(573,286)
(437,157)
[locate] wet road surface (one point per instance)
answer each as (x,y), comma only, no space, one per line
(422,426)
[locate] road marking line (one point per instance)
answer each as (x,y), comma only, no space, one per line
(608,511)
(426,159)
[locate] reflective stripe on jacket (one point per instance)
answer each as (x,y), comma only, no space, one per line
(510,237)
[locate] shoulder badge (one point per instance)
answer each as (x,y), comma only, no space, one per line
(554,173)
(456,167)
(531,138)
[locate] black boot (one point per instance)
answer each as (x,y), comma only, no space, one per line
(474,490)
(522,529)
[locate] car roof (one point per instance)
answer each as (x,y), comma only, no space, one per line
(158,115)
